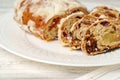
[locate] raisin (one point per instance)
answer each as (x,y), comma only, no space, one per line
(105,23)
(97,15)
(79,25)
(95,24)
(112,15)
(78,17)
(87,23)
(70,33)
(64,34)
(92,45)
(101,19)
(106,8)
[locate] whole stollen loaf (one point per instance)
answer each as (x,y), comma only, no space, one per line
(41,17)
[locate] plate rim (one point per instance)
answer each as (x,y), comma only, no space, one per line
(55,63)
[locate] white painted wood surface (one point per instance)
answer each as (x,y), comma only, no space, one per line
(14,67)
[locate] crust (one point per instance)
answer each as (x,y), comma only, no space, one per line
(77,9)
(105,12)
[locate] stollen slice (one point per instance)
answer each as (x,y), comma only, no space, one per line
(77,31)
(65,26)
(102,36)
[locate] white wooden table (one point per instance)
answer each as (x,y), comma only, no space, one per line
(14,67)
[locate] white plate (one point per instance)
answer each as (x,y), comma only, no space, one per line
(16,41)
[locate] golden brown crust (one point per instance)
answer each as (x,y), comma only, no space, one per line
(101,37)
(105,12)
(77,9)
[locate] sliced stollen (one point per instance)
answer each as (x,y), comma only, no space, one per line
(101,37)
(77,31)
(105,12)
(65,26)
(40,17)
